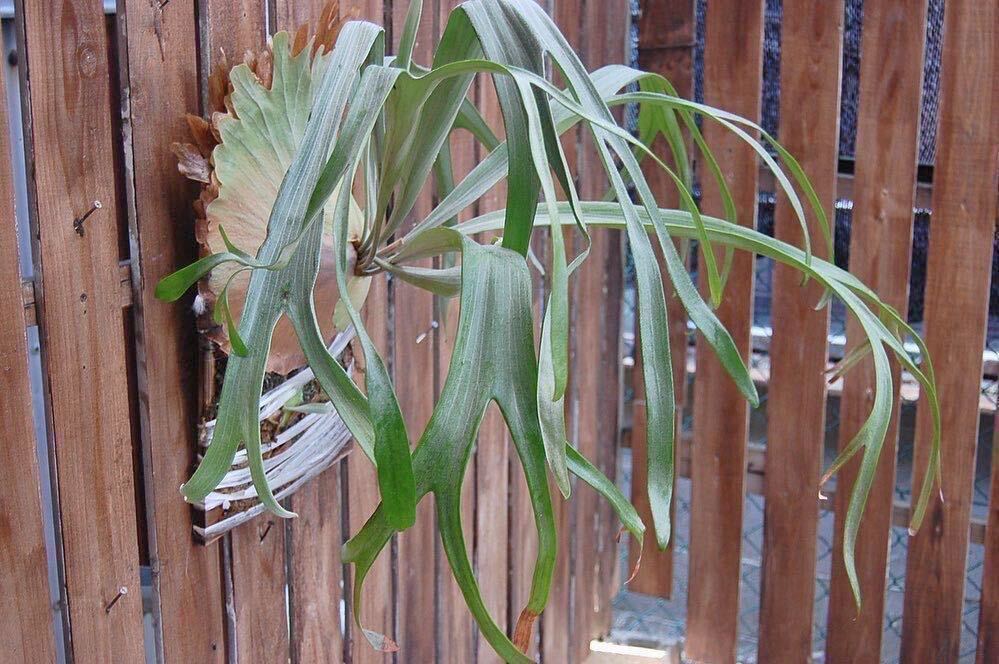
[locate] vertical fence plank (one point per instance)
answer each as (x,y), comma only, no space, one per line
(499,522)
(230,27)
(457,631)
(413,365)
(732,78)
(258,548)
(666,38)
(956,306)
(414,369)
(516,526)
(82,325)
(485,482)
(361,488)
(555,630)
(25,617)
(491,524)
(665,46)
(259,582)
(988,620)
(291,14)
(378,611)
(589,354)
(313,540)
(503,510)
(158,91)
(315,572)
(811,59)
(365,10)
(589,345)
(555,626)
(891,70)
(606,31)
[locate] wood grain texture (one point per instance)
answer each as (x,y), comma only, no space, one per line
(367,10)
(258,548)
(988,617)
(314,539)
(665,46)
(811,63)
(880,251)
(609,27)
(378,610)
(522,532)
(414,361)
(732,73)
(160,91)
(361,488)
(414,379)
(315,571)
(259,582)
(25,617)
(505,530)
(292,14)
(69,125)
(557,631)
(228,29)
(965,180)
(458,632)
(492,475)
(590,351)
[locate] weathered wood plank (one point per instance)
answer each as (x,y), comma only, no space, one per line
(522,532)
(258,548)
(379,606)
(229,27)
(26,617)
(811,63)
(503,512)
(880,250)
(956,306)
(557,632)
(160,90)
(315,571)
(69,126)
(988,618)
(492,476)
(600,285)
(590,351)
(314,539)
(665,46)
(367,10)
(414,371)
(259,582)
(361,488)
(459,640)
(732,73)
(290,15)
(414,361)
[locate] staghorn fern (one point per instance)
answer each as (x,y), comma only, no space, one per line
(380,125)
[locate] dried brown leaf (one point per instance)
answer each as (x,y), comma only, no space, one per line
(202,133)
(300,41)
(191,163)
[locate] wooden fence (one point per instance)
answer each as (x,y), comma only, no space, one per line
(883,192)
(103,97)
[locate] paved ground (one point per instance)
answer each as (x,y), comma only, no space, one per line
(654,622)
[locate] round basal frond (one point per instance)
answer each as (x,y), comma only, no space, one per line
(241,158)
